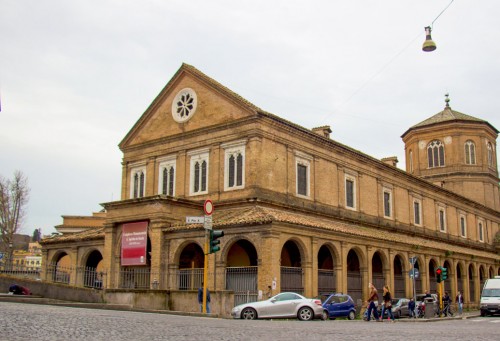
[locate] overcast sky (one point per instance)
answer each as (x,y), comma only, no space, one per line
(76,75)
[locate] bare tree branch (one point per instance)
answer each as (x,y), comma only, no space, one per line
(14,195)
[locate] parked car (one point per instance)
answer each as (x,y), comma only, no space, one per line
(283,305)
(400,307)
(339,305)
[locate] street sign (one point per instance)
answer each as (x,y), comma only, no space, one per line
(208,222)
(208,207)
(413,260)
(195,220)
(414,273)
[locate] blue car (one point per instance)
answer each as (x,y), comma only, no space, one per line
(338,305)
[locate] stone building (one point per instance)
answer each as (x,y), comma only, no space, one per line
(300,211)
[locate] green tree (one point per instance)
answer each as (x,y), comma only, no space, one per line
(14,195)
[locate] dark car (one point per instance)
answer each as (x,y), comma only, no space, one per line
(338,305)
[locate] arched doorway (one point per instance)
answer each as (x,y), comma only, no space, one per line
(490,272)
(61,268)
(138,276)
(418,280)
(242,272)
(326,274)
(432,276)
(399,277)
(93,271)
(377,272)
(482,277)
(472,287)
(460,279)
(291,268)
(354,281)
(191,263)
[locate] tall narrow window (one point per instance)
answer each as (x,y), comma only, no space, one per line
(350,192)
(470,153)
(480,231)
(463,226)
(435,154)
(489,148)
(417,213)
(168,181)
(234,165)
(199,172)
(302,176)
(301,179)
(137,182)
(442,220)
(387,204)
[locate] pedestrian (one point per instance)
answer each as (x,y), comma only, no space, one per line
(460,302)
(411,308)
(200,298)
(446,304)
(16,289)
(387,304)
(372,298)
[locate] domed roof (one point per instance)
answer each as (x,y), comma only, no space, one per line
(448,115)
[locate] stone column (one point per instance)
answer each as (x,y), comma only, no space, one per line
(157,254)
(311,270)
(270,268)
(111,261)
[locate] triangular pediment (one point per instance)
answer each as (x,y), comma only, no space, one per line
(191,100)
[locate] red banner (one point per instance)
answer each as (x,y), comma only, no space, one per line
(134,243)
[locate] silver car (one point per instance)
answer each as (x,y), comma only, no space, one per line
(283,305)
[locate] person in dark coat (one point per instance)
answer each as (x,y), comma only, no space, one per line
(19,290)
(411,308)
(200,299)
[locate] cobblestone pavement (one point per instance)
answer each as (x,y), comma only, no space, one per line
(20,321)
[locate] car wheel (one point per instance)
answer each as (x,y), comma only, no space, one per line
(352,315)
(483,314)
(324,316)
(249,314)
(305,314)
(399,314)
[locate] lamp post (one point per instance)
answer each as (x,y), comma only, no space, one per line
(10,256)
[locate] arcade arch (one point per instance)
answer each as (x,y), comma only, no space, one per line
(326,270)
(291,271)
(354,279)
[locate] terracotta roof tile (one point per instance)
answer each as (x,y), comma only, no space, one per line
(264,215)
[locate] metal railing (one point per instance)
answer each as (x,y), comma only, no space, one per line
(137,278)
(189,279)
(326,281)
(292,279)
(22,272)
(243,281)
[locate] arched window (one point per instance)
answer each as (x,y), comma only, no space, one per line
(470,153)
(490,154)
(435,154)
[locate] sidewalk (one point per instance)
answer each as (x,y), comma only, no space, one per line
(32,299)
(465,315)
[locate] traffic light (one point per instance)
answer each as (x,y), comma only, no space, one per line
(444,273)
(214,240)
(439,274)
